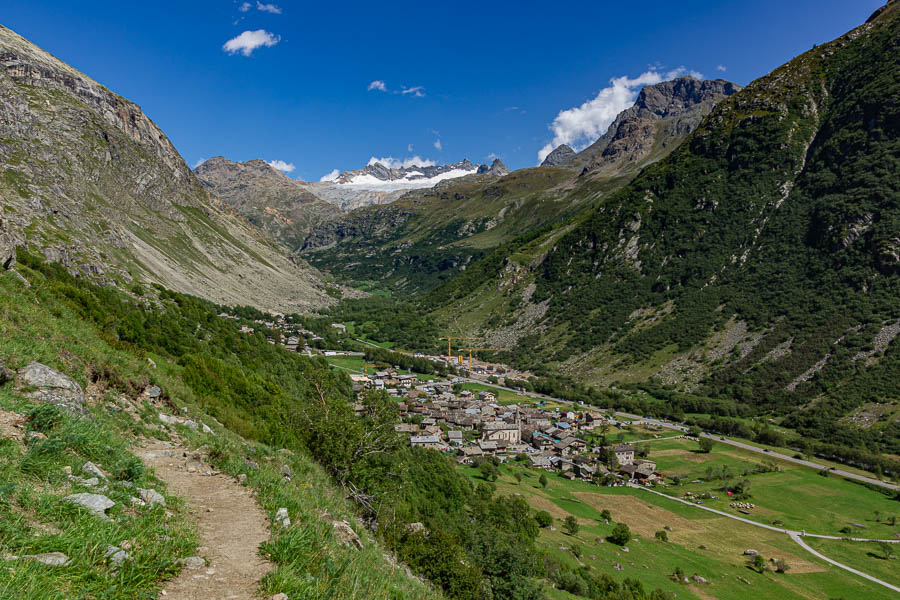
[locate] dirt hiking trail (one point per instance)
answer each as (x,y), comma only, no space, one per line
(230,523)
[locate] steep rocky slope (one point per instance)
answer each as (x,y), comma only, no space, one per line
(271,200)
(94,184)
(759,262)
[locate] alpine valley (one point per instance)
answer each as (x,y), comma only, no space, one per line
(661,364)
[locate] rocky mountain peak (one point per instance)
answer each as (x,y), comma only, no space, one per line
(495,168)
(560,156)
(670,98)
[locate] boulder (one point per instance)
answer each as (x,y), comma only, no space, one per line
(750,552)
(346,535)
(415,527)
(699,579)
(282,518)
(152,497)
(281,596)
(51,559)
(153,391)
(93,470)
(286,472)
(52,386)
(98,504)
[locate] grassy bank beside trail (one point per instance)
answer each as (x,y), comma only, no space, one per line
(38,441)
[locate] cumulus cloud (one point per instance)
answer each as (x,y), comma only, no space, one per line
(721,68)
(269,8)
(399,163)
(409,147)
(493,156)
(377,85)
(199,162)
(245,7)
(249,41)
(281,165)
(331,176)
(437,144)
(582,125)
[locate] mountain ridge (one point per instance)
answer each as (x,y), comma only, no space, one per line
(91,182)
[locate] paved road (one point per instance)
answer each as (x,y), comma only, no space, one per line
(797,536)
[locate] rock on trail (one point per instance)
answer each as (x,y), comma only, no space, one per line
(230,533)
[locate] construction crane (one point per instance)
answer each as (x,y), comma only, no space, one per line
(366,368)
(450,342)
(480,349)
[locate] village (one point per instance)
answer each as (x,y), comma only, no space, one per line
(473,425)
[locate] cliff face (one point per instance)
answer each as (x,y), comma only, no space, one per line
(661,118)
(282,207)
(91,182)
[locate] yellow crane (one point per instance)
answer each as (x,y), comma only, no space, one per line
(450,342)
(480,349)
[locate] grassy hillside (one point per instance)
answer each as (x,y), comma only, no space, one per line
(756,265)
(52,323)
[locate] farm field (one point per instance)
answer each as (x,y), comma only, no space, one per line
(797,497)
(868,557)
(699,543)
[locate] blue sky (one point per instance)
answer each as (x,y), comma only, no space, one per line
(482,79)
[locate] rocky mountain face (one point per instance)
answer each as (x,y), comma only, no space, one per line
(282,207)
(376,173)
(561,155)
(759,262)
(90,181)
(496,168)
(661,118)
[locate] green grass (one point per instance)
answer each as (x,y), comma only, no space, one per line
(36,325)
(864,556)
(797,496)
(721,564)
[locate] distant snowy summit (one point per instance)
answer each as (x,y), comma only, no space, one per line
(377,183)
(414,176)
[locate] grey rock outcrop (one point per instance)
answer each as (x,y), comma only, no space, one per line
(98,504)
(52,386)
(7,248)
(495,168)
(561,155)
(92,470)
(116,556)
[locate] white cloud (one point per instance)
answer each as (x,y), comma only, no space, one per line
(199,162)
(417,91)
(281,165)
(399,163)
(721,68)
(437,144)
(582,125)
(377,85)
(269,8)
(331,176)
(249,41)
(493,156)
(245,7)
(409,147)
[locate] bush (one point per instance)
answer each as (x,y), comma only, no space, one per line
(662,536)
(571,525)
(544,519)
(620,535)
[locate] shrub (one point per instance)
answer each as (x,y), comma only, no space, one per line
(543,518)
(620,535)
